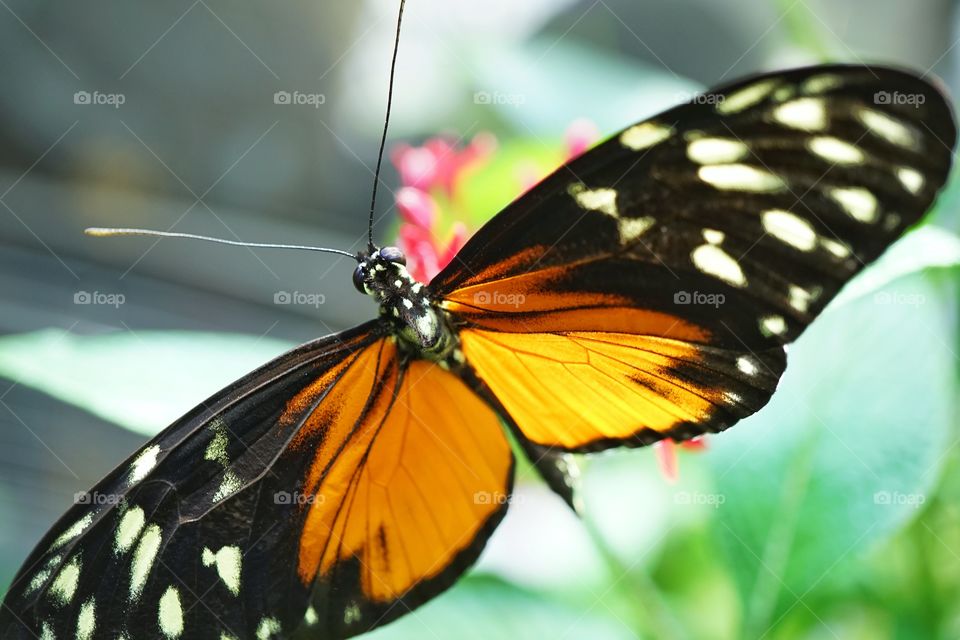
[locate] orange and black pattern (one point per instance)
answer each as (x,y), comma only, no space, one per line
(644,291)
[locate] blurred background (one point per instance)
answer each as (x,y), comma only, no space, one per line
(832,514)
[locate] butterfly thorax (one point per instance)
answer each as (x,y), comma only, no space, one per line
(421,326)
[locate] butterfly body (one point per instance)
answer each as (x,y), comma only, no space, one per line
(645,290)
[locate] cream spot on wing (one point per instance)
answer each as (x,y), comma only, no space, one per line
(747,97)
(713,236)
(144,463)
(170,613)
(716,262)
(805,114)
(911,179)
(784,93)
(230,483)
(747,365)
(351,613)
(87,620)
(311,617)
(268,628)
(773,325)
(65,584)
(859,203)
(800,298)
(821,83)
(75,530)
(632,228)
(789,228)
(46,632)
(129,528)
(143,558)
(835,150)
(228,561)
(835,247)
(217,449)
(602,200)
(740,177)
(645,135)
(716,150)
(889,128)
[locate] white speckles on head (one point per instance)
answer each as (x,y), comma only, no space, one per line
(426,324)
(602,200)
(773,325)
(857,202)
(740,177)
(746,365)
(268,628)
(713,236)
(417,287)
(170,613)
(804,114)
(835,150)
(716,150)
(911,179)
(645,135)
(131,522)
(789,228)
(408,303)
(144,463)
(65,584)
(888,128)
(747,97)
(632,228)
(714,261)
(228,561)
(87,620)
(143,558)
(75,530)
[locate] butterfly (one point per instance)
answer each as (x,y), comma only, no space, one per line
(352,479)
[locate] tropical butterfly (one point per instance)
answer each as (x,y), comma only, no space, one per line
(350,480)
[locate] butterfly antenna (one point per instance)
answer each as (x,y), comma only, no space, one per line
(386,125)
(100,232)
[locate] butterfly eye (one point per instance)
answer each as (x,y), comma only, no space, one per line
(393,254)
(359,276)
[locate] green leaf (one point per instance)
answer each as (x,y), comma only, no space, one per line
(142,381)
(853,440)
(487,609)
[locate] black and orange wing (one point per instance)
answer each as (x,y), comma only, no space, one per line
(647,288)
(325,493)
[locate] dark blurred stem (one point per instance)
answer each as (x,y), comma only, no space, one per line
(804,27)
(651,614)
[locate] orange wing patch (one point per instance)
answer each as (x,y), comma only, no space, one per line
(405,481)
(584,390)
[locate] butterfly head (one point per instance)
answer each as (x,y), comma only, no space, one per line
(382,274)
